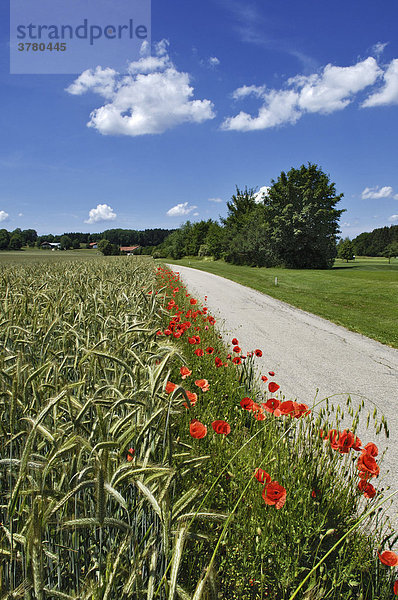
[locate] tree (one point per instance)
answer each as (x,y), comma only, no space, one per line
(107,248)
(345,250)
(391,251)
(4,239)
(303,221)
(215,240)
(75,244)
(66,242)
(15,241)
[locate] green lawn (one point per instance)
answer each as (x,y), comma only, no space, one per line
(361,295)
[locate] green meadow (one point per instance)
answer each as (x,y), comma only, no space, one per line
(361,295)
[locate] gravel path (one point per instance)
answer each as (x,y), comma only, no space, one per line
(310,355)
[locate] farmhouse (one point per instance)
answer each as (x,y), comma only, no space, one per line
(93,245)
(128,249)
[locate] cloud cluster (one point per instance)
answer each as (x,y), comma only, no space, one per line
(103,212)
(3,215)
(152,98)
(332,89)
(180,210)
(376,193)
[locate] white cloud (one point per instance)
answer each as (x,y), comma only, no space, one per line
(20,214)
(180,209)
(259,196)
(152,98)
(101,81)
(218,200)
(328,91)
(247,90)
(393,218)
(376,193)
(214,61)
(280,107)
(3,215)
(389,92)
(378,48)
(195,214)
(103,212)
(334,88)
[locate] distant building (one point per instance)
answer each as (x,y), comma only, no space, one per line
(93,245)
(51,245)
(128,249)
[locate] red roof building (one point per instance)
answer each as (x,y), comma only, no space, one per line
(128,248)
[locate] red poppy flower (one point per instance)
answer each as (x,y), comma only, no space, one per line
(287,407)
(271,405)
(262,476)
(221,427)
(192,340)
(389,558)
(367,466)
(211,320)
(209,350)
(246,403)
(258,353)
(197,429)
(367,489)
(203,384)
(358,444)
(345,441)
(167,332)
(159,333)
(313,494)
(236,349)
(300,410)
(193,301)
(237,360)
(170,387)
(218,362)
(185,372)
(272,373)
(130,454)
(371,449)
(395,588)
(199,352)
(235,342)
(192,397)
(274,494)
(259,415)
(273,387)
(264,377)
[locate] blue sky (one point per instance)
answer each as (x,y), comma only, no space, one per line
(232,93)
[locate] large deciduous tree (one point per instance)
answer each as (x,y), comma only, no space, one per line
(303,221)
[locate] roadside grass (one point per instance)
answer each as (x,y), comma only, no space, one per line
(361,295)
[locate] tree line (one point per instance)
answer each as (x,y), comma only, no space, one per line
(147,239)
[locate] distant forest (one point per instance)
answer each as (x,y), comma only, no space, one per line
(147,239)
